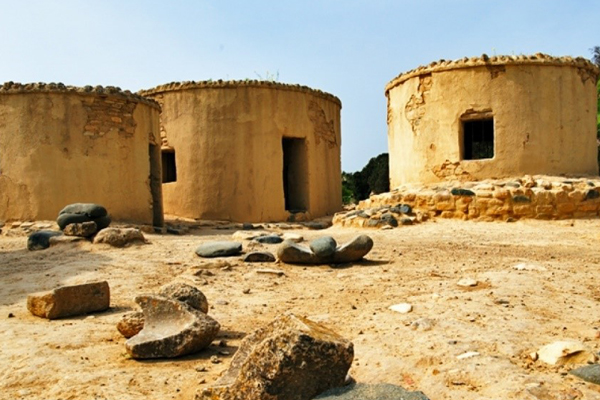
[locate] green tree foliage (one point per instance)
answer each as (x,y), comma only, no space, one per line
(373,178)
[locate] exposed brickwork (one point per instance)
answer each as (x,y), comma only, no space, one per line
(109,114)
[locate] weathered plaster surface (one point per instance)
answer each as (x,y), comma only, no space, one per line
(544,112)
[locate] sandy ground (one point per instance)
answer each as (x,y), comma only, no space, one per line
(509,314)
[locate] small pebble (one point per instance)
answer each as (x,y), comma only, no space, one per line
(11,315)
(402,308)
(215,360)
(467,282)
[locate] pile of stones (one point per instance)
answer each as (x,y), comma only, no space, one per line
(86,221)
(538,197)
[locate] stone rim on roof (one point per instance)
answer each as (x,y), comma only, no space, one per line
(210,84)
(485,61)
(41,87)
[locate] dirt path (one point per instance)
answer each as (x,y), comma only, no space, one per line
(509,314)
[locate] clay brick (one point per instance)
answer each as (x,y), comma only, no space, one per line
(69,301)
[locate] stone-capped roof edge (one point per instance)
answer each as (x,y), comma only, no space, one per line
(40,87)
(188,85)
(485,60)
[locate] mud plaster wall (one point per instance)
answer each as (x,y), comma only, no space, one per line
(227,140)
(58,148)
(544,113)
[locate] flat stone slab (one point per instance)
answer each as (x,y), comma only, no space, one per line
(171,329)
(219,249)
(269,239)
(291,358)
(566,352)
(68,301)
(259,256)
(379,391)
(589,373)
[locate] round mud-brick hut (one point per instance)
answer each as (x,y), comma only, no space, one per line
(62,144)
(249,150)
(493,117)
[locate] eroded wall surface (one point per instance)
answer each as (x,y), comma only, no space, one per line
(62,145)
(543,108)
(227,138)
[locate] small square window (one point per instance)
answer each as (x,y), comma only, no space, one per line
(478,139)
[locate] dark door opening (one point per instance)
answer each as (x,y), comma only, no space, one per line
(156,185)
(478,139)
(295,175)
(169,169)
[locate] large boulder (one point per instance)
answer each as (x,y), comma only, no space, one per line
(83,212)
(119,237)
(379,391)
(69,301)
(171,329)
(323,247)
(292,358)
(354,250)
(292,253)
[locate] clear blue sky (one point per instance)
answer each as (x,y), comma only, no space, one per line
(346,47)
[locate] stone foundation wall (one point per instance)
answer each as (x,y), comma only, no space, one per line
(538,197)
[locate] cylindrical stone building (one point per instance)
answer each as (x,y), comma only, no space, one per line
(492,117)
(249,150)
(62,144)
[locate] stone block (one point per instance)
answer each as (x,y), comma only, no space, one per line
(68,301)
(292,358)
(577,195)
(544,209)
(119,237)
(377,391)
(587,206)
(523,210)
(565,208)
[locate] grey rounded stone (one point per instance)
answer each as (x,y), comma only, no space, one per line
(323,247)
(90,209)
(40,240)
(219,249)
(188,294)
(292,253)
(259,256)
(269,239)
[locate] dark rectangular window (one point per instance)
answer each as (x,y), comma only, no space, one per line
(478,139)
(295,175)
(169,169)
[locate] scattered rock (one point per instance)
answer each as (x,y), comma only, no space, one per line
(291,358)
(529,267)
(119,237)
(82,229)
(462,192)
(269,239)
(468,354)
(248,235)
(566,352)
(171,329)
(422,324)
(378,391)
(187,294)
(354,250)
(323,247)
(317,225)
(403,308)
(406,221)
(294,237)
(131,324)
(467,282)
(589,373)
(40,240)
(219,249)
(259,256)
(270,271)
(69,301)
